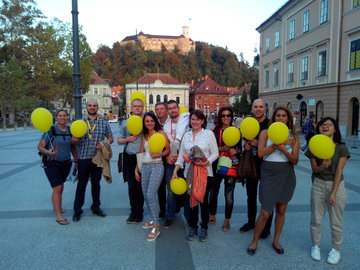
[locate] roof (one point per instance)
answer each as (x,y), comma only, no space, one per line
(116,90)
(150,78)
(208,86)
(129,38)
(96,79)
(235,91)
(276,16)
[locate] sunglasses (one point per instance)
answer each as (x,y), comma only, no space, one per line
(225,115)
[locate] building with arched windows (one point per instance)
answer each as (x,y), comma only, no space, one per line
(158,87)
(310,61)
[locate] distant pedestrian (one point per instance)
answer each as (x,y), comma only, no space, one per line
(328,191)
(56,145)
(98,132)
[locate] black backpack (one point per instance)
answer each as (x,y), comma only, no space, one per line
(45,158)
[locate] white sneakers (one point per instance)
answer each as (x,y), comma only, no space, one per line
(334,256)
(315,253)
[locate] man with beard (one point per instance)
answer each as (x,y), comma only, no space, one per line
(98,131)
(131,148)
(170,130)
(258,111)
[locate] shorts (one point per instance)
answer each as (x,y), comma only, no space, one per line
(57,172)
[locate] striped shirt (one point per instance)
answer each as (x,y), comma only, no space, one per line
(95,134)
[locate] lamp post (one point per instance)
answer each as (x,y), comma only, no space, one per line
(76,74)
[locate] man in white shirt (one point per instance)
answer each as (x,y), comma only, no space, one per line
(170,130)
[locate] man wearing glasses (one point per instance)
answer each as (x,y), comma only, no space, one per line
(258,110)
(131,148)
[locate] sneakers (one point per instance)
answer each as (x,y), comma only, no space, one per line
(191,234)
(315,253)
(155,232)
(247,227)
(130,219)
(202,235)
(168,223)
(334,256)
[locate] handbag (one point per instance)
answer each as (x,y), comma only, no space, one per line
(224,163)
(247,165)
(121,160)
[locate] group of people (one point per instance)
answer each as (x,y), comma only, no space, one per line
(192,151)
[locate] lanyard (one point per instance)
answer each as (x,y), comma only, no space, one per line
(91,128)
(173,134)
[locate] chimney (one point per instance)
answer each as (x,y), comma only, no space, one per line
(206,76)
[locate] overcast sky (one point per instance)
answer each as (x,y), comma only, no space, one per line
(225,23)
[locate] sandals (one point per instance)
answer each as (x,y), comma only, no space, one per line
(226,226)
(212,219)
(148,224)
(62,221)
(155,232)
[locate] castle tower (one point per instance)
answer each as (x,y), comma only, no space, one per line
(185,31)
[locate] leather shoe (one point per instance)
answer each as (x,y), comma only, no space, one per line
(264,234)
(76,218)
(247,227)
(278,250)
(99,213)
(251,251)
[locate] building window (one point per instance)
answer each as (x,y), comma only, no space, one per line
(151,99)
(277,39)
(165,98)
(292,30)
(267,44)
(267,75)
(322,63)
(276,76)
(355,54)
(323,11)
(178,100)
(305,68)
(356,3)
(158,98)
(306,18)
(95,91)
(205,98)
(291,72)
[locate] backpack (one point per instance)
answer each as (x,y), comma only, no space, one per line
(45,158)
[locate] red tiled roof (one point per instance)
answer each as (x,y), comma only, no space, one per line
(236,91)
(208,86)
(115,90)
(96,79)
(150,78)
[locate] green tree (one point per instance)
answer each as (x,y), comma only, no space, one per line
(254,91)
(244,104)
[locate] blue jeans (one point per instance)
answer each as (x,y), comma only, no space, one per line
(171,199)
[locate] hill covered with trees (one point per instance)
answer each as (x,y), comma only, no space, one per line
(119,64)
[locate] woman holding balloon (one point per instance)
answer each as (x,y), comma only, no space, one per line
(279,147)
(328,188)
(57,145)
(155,145)
(225,116)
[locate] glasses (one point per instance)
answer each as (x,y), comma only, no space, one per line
(137,106)
(225,115)
(327,125)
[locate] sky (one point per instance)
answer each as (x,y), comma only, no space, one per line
(225,23)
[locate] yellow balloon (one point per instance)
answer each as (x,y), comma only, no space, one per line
(231,136)
(138,95)
(322,146)
(42,119)
(249,128)
(183,109)
(134,125)
(178,186)
(157,142)
(278,132)
(78,128)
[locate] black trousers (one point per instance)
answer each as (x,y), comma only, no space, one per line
(136,196)
(204,208)
(162,195)
(252,191)
(87,169)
